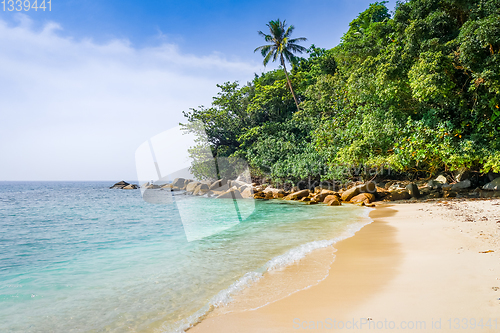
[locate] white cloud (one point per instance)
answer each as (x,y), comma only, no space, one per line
(75,109)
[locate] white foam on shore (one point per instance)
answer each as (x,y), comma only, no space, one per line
(298,253)
(224,297)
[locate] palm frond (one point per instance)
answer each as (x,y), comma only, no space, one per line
(268,57)
(268,38)
(296,48)
(289,31)
(263,48)
(262,34)
(295,40)
(288,55)
(275,57)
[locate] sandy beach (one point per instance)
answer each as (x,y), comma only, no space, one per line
(420,267)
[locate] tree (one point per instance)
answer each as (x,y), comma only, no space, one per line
(281,47)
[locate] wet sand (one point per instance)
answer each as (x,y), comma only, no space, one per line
(417,267)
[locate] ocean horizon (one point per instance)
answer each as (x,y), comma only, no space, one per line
(76,256)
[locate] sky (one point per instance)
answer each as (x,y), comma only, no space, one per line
(84,85)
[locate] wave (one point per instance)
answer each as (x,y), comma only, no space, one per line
(224,297)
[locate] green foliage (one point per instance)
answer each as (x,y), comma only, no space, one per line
(430,78)
(418,92)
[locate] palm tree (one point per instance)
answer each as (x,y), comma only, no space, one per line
(281,46)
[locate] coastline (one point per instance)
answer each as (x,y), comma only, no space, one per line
(415,264)
(299,268)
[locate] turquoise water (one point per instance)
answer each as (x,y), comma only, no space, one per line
(80,257)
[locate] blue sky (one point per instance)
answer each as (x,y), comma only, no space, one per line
(201,26)
(82,86)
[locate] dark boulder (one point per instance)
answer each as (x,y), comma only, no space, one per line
(120,185)
(412,189)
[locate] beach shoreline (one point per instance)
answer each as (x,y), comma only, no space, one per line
(417,266)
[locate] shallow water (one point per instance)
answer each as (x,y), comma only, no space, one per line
(79,257)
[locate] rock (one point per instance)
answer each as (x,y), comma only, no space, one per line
(275,192)
(492,176)
(130,187)
(425,191)
(269,189)
(322,195)
(305,199)
(441,179)
(120,185)
(446,187)
(334,202)
(259,195)
(462,174)
(232,193)
(329,198)
(219,183)
(190,187)
(350,193)
(367,198)
(493,185)
(450,194)
(201,189)
(238,183)
(381,193)
(435,185)
(388,185)
(297,195)
(434,195)
(369,187)
(412,189)
(223,188)
(186,182)
(489,194)
(259,188)
(279,195)
(268,195)
(398,195)
(461,185)
(247,193)
(396,187)
(178,182)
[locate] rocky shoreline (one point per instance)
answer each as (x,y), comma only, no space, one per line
(359,193)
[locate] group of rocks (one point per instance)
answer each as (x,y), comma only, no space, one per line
(125,186)
(441,188)
(363,194)
(222,188)
(356,193)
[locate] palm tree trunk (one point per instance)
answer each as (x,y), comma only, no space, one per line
(289,83)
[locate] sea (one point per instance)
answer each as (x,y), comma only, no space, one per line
(81,257)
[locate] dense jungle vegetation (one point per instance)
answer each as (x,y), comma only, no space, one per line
(416,90)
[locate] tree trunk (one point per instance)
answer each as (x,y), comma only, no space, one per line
(289,83)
